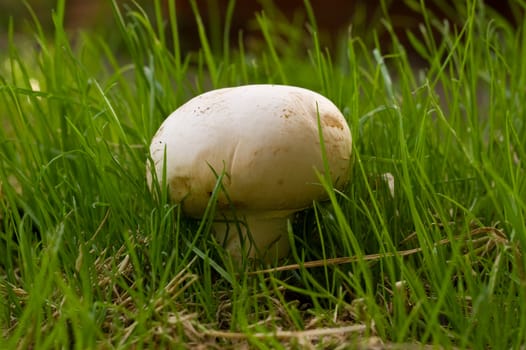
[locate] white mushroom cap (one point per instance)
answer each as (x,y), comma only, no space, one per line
(265,138)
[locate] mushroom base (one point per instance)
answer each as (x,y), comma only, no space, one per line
(260,236)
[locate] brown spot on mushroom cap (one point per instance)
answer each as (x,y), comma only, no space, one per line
(332,121)
(281,149)
(286,113)
(179,187)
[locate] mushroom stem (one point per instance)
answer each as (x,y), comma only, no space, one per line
(262,236)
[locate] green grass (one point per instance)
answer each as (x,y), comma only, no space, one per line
(89,258)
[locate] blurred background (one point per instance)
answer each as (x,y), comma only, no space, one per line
(334,17)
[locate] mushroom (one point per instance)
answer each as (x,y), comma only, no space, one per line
(264,139)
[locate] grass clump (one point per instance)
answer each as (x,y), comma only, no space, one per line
(425,246)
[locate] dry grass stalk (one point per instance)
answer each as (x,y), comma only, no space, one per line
(319,332)
(493,237)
